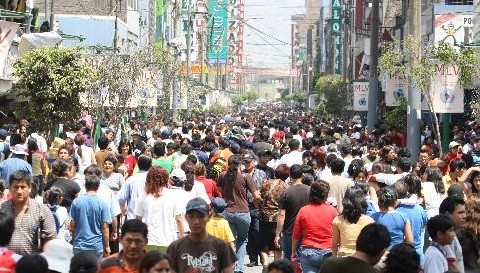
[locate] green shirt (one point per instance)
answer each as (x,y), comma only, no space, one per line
(165,163)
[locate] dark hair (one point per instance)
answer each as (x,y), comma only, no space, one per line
(435,175)
(79,140)
(32,146)
(233,162)
(373,239)
(414,184)
(337,165)
(159,148)
(92,170)
(296,171)
(457,164)
(449,204)
(282,265)
(102,142)
(60,168)
(402,258)
(387,197)
(7,226)
(404,163)
(21,175)
(439,223)
(124,142)
(308,179)
(135,225)
(186,149)
(32,263)
(294,144)
(151,259)
(54,195)
(355,165)
(354,204)
(83,262)
(92,182)
(111,158)
(282,172)
(319,192)
(144,162)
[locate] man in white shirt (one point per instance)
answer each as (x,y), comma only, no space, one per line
(295,155)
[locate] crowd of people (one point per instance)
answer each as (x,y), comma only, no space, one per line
(314,195)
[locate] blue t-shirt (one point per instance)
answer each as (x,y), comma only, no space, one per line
(418,220)
(395,222)
(89,212)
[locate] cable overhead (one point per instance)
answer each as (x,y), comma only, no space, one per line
(263,33)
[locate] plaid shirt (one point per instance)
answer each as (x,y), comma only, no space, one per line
(37,220)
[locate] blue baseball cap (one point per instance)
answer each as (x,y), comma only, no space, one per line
(199,205)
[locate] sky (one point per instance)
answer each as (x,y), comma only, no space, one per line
(272,17)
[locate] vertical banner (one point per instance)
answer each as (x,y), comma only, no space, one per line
(395,89)
(447,95)
(218,28)
(7,33)
(336,31)
(360,96)
(159,28)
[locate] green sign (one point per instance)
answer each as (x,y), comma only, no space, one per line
(160,17)
(337,29)
(217,29)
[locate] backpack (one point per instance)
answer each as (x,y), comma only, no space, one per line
(218,167)
(7,263)
(53,209)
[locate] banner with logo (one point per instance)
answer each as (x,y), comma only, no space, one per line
(7,33)
(360,96)
(218,30)
(337,30)
(445,89)
(396,89)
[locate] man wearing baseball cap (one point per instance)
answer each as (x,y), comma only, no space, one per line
(199,251)
(16,162)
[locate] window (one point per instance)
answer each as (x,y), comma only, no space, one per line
(132,4)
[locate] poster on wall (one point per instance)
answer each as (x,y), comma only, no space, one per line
(360,96)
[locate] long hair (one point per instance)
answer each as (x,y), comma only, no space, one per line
(387,197)
(354,204)
(435,175)
(157,178)
(402,258)
(32,147)
(79,140)
(472,210)
(233,163)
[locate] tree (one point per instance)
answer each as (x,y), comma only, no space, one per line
(397,116)
(337,96)
(52,79)
(419,76)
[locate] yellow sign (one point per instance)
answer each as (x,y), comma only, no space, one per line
(196,69)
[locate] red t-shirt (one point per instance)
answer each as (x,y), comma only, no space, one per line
(130,161)
(210,187)
(314,224)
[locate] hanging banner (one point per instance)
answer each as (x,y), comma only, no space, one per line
(360,96)
(336,31)
(445,90)
(395,89)
(218,30)
(7,33)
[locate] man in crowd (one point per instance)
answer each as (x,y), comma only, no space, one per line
(199,251)
(454,208)
(16,162)
(34,221)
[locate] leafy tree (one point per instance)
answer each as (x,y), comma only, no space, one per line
(337,96)
(52,79)
(397,115)
(420,74)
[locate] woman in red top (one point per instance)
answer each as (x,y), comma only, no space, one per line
(210,185)
(314,225)
(125,149)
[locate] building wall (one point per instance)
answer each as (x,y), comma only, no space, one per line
(85,7)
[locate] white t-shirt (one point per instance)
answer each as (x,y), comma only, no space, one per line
(85,159)
(433,199)
(294,157)
(159,215)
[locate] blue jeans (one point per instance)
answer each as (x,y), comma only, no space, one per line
(98,254)
(239,224)
(287,246)
(311,259)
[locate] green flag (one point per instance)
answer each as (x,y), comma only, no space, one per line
(123,127)
(97,131)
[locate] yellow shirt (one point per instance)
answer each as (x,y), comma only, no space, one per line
(220,228)
(349,233)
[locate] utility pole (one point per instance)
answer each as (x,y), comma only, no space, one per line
(189,49)
(51,15)
(372,115)
(414,96)
(115,35)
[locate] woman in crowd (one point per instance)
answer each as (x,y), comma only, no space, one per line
(61,170)
(160,211)
(347,226)
(36,159)
(129,160)
(396,222)
(313,228)
(65,152)
(469,235)
(433,189)
(270,193)
(111,178)
(84,153)
(154,262)
(388,156)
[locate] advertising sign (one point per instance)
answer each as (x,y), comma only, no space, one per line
(218,31)
(445,90)
(453,28)
(337,28)
(360,96)
(395,89)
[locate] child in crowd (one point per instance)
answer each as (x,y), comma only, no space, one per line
(53,197)
(442,231)
(217,226)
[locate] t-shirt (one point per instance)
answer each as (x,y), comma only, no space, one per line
(349,233)
(395,222)
(435,261)
(211,255)
(292,200)
(313,225)
(338,187)
(235,192)
(159,215)
(115,264)
(346,264)
(165,163)
(219,227)
(89,213)
(418,220)
(69,187)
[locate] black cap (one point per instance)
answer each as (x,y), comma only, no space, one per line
(199,205)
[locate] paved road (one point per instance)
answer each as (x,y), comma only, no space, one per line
(255,269)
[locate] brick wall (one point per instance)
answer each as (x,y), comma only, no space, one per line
(85,7)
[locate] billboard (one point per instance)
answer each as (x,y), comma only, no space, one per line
(336,31)
(360,96)
(218,31)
